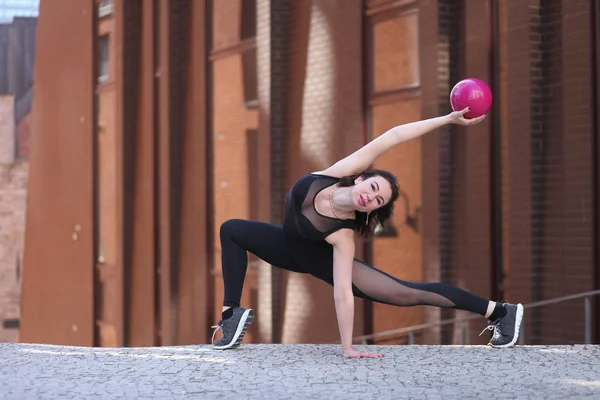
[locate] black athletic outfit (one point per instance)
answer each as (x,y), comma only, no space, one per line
(300,246)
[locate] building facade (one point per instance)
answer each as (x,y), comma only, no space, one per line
(17,53)
(166,118)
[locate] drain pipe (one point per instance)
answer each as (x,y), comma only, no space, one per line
(595,32)
(497,290)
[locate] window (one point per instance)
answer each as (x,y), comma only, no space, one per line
(103,47)
(253,172)
(105,7)
(248,23)
(10,324)
(249,60)
(249,66)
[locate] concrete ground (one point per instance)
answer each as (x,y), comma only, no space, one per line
(298,372)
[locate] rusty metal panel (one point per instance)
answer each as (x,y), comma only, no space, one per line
(107,239)
(57,299)
(194,293)
(179,18)
(141,285)
(116,303)
(109,188)
(164,177)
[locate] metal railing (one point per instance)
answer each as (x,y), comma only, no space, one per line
(410,330)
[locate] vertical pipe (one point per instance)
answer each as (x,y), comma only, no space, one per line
(155,135)
(497,290)
(210,215)
(164,173)
(366,76)
(117,303)
(595,15)
(96,214)
(588,321)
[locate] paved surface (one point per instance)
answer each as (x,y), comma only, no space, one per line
(298,372)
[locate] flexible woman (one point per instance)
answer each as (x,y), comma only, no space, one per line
(323,212)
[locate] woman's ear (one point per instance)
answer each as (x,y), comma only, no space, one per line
(358,180)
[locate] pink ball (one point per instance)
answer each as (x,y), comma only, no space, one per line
(473,93)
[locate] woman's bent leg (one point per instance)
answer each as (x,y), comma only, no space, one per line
(237,238)
(264,240)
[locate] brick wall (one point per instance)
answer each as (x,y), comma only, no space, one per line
(280,47)
(7,128)
(448,37)
(566,192)
(518,275)
(13,192)
(471,255)
(230,119)
(546,143)
(549,163)
(311,109)
(430,170)
(310,91)
(311,114)
(23,136)
(264,317)
(323,124)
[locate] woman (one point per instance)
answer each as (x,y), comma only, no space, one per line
(323,211)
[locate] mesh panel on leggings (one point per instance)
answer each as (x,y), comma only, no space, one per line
(384,288)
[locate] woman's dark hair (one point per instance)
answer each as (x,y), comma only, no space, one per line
(380,215)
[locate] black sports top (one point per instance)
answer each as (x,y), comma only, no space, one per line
(304,228)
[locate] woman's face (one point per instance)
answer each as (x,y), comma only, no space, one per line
(371,193)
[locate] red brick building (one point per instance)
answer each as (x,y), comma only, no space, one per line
(164,118)
(17,50)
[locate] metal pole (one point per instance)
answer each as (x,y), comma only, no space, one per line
(588,321)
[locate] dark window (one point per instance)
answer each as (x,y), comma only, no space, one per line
(253,171)
(103,47)
(248,25)
(250,79)
(10,324)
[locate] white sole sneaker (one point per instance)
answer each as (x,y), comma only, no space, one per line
(243,325)
(518,320)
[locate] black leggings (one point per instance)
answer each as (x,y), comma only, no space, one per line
(267,242)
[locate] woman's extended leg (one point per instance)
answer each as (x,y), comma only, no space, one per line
(238,236)
(376,285)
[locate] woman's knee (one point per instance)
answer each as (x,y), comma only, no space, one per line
(229,227)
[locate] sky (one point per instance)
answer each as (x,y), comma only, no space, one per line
(17,8)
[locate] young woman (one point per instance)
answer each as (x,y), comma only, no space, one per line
(323,211)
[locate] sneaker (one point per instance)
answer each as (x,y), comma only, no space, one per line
(233,329)
(506,329)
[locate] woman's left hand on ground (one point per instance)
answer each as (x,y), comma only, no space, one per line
(354,353)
